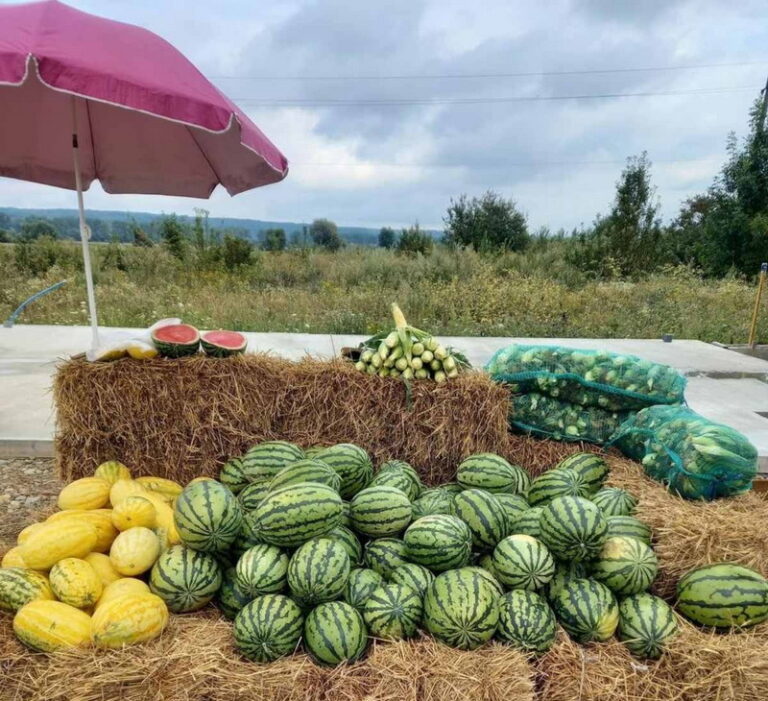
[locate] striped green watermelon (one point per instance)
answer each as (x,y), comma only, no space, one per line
(334,632)
(564,573)
(393,478)
(262,569)
(513,504)
(350,541)
(453,488)
(176,340)
(522,562)
(318,571)
(432,501)
(492,473)
(346,520)
(207,516)
(230,598)
(352,464)
(290,516)
(527,523)
(382,555)
(587,610)
(400,467)
(628,526)
(526,621)
(439,542)
(185,579)
(268,627)
(557,483)
(573,528)
(265,460)
(646,624)
(393,612)
(19,586)
(614,501)
(313,450)
(244,541)
(592,468)
(485,516)
(625,565)
(252,495)
(723,595)
(360,584)
(306,470)
(486,562)
(378,512)
(460,608)
(231,475)
(487,576)
(411,575)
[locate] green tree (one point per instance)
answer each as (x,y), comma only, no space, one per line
(274,240)
(236,252)
(627,240)
(35,227)
(173,236)
(414,240)
(140,237)
(387,237)
(36,256)
(325,234)
(487,223)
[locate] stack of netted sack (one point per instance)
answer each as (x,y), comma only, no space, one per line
(580,395)
(696,457)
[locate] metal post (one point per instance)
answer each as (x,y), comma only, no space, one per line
(756,310)
(85,232)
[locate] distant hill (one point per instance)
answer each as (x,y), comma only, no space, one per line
(107,223)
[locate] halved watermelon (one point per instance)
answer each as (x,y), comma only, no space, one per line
(176,340)
(221,344)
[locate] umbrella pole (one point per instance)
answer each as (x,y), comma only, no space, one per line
(85,233)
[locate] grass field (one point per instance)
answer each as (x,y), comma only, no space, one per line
(447,292)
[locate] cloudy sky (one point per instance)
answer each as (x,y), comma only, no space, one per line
(386,110)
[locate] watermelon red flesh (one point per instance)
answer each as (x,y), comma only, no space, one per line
(176,340)
(223,343)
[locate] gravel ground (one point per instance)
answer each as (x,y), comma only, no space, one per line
(29,490)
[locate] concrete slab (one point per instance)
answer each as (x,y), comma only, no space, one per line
(724,385)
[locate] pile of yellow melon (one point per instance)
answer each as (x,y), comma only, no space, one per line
(72,579)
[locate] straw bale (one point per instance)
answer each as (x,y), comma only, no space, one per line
(698,665)
(183,418)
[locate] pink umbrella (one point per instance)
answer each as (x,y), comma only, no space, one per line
(84,98)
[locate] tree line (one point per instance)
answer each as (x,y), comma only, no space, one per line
(723,230)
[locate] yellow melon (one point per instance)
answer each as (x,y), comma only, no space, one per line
(25,533)
(134,511)
(134,551)
(57,540)
(122,586)
(85,493)
(128,619)
(75,582)
(112,471)
(48,626)
(167,489)
(166,522)
(13,558)
(102,565)
(125,488)
(100,519)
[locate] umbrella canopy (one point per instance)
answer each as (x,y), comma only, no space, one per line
(148,121)
(84,98)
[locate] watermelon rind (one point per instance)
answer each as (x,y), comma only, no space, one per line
(625,565)
(318,572)
(646,624)
(334,632)
(360,585)
(383,555)
(587,610)
(393,612)
(169,344)
(207,516)
(222,344)
(185,579)
(526,621)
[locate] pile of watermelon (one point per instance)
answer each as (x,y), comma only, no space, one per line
(315,548)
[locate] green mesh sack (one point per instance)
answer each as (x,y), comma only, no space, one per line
(588,377)
(697,458)
(546,416)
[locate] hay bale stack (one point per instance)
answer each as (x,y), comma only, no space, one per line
(183,418)
(698,665)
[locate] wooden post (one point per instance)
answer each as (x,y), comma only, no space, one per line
(756,310)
